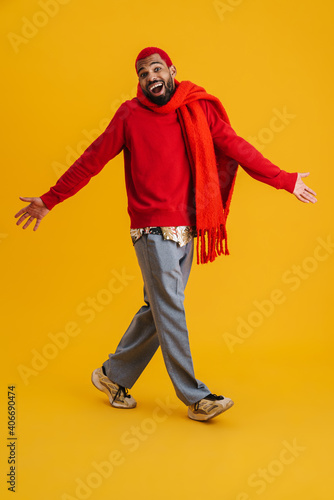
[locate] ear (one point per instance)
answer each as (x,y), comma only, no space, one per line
(172,70)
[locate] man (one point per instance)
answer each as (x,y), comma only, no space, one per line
(181,158)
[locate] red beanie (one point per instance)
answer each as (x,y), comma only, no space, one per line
(149,51)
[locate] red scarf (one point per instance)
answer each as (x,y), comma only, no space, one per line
(214,173)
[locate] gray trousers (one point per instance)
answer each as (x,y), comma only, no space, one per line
(165,267)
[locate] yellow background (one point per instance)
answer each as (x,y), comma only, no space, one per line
(61,84)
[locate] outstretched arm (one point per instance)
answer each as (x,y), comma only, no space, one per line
(303,192)
(36,210)
(109,144)
(252,161)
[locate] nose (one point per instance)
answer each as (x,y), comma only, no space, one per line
(151,79)
(152,76)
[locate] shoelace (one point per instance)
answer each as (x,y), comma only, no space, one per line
(214,397)
(209,397)
(122,392)
(217,397)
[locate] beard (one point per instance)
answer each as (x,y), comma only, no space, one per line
(160,100)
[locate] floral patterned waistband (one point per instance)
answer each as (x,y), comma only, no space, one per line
(180,234)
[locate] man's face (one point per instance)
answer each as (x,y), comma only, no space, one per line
(156,79)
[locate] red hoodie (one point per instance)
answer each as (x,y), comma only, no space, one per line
(157,171)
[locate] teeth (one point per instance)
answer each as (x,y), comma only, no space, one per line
(156,85)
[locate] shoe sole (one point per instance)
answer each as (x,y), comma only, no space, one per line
(96,382)
(200,417)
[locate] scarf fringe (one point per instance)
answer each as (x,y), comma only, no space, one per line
(211,243)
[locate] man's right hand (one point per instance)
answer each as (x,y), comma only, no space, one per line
(36,210)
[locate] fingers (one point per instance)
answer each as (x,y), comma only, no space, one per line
(23,218)
(37,224)
(28,214)
(309,194)
(306,197)
(22,211)
(27,224)
(300,198)
(303,192)
(29,221)
(309,190)
(24,198)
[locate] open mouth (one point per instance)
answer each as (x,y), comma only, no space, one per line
(157,88)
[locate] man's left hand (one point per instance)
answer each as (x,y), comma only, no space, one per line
(303,192)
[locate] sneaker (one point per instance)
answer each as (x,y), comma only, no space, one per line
(204,410)
(209,407)
(118,395)
(226,403)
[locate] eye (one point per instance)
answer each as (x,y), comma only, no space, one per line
(142,75)
(157,68)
